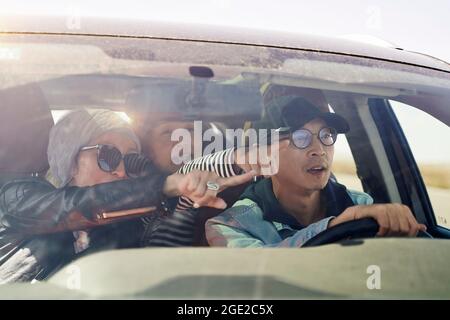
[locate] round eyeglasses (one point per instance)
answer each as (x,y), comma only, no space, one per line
(302,138)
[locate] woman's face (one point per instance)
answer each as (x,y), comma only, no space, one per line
(87,172)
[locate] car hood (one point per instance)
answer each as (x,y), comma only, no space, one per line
(369,269)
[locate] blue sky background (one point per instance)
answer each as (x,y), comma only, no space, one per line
(417,26)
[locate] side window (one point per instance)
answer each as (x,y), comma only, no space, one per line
(344,167)
(428,139)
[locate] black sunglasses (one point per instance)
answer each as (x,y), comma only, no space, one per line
(302,138)
(109,158)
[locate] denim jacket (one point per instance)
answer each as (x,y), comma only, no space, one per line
(258,220)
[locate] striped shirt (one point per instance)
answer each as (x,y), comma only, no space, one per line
(165,229)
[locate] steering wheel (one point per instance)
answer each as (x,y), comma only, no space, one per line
(361,228)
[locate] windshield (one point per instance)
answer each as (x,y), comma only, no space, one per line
(145,108)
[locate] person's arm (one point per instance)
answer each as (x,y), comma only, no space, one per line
(176,230)
(35,206)
(227,231)
(221,163)
(233,162)
(393,219)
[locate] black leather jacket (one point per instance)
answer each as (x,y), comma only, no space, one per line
(32,209)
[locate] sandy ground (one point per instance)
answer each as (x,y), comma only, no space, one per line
(440,198)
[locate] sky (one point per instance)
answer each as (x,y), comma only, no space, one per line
(422,26)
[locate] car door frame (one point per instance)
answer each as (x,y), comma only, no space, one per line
(410,184)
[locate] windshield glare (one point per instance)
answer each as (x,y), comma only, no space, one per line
(198,99)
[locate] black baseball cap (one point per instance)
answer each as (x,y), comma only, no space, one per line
(300,111)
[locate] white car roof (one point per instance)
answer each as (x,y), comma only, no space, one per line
(209,33)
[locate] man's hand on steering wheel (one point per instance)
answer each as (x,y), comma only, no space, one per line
(393,219)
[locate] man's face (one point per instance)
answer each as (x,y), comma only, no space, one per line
(157,145)
(308,168)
